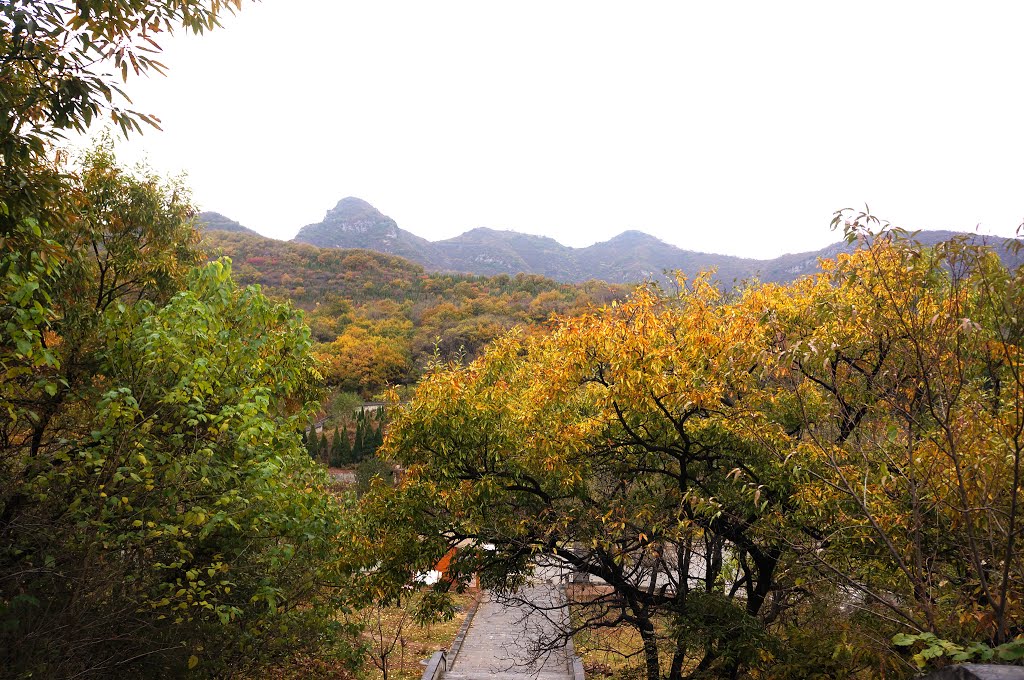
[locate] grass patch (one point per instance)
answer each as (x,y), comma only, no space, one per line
(614,652)
(391,633)
(404,642)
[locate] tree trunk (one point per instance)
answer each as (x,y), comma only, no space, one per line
(678,656)
(650,649)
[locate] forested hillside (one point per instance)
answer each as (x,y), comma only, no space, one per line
(214,220)
(379,319)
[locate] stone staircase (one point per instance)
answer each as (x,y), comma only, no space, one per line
(496,644)
(512,675)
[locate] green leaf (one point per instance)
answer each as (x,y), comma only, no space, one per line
(904,640)
(1011,651)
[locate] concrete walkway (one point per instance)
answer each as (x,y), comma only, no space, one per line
(499,640)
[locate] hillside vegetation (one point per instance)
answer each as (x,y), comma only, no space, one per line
(379,319)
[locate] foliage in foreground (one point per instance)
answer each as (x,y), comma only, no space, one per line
(846,448)
(158,511)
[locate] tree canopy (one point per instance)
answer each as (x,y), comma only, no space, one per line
(158,512)
(62,63)
(842,449)
(158,509)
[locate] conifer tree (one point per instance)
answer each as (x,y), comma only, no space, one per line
(312,443)
(359,446)
(376,437)
(345,447)
(334,457)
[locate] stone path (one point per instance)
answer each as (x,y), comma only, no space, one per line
(498,641)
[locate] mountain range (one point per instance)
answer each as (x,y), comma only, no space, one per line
(630,257)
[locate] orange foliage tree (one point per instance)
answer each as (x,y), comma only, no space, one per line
(611,444)
(846,448)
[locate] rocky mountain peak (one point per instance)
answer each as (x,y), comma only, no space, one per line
(354,223)
(634,236)
(630,257)
(354,208)
(356,216)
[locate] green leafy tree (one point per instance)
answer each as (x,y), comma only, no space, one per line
(61,67)
(157,513)
(373,470)
(62,63)
(312,444)
(178,476)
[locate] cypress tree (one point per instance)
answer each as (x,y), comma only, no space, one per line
(333,457)
(313,444)
(359,447)
(345,448)
(325,448)
(376,438)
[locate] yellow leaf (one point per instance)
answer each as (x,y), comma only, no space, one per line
(193,661)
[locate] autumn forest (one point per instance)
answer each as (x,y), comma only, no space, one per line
(819,478)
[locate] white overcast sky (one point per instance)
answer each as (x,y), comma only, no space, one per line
(730,127)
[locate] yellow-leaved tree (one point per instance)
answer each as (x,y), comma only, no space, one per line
(613,445)
(906,390)
(782,481)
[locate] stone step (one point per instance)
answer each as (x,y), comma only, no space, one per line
(484,674)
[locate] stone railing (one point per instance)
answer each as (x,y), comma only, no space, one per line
(453,651)
(437,666)
(442,660)
(574,664)
(977,671)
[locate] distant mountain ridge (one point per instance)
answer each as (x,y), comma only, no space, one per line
(631,257)
(210,220)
